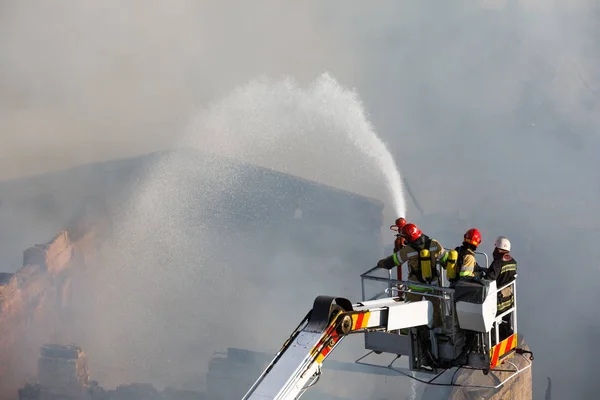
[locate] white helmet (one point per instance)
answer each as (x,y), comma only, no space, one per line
(502,243)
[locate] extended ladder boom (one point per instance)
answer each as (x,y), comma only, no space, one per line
(297,365)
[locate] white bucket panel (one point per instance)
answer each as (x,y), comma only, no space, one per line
(478,317)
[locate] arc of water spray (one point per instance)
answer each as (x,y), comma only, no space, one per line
(270,122)
(371,145)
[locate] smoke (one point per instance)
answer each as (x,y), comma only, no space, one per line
(85,82)
(489,107)
(97,71)
(500,113)
(211,253)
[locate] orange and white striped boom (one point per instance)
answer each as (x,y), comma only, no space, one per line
(297,365)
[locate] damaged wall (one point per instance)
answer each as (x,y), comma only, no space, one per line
(34,303)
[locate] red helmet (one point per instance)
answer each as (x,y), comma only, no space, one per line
(400,222)
(411,232)
(398,225)
(473,236)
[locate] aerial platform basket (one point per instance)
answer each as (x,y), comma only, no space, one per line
(470,337)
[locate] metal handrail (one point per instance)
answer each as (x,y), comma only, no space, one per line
(511,283)
(487,260)
(394,281)
(446,292)
(396,284)
(391,281)
(366,276)
(411,283)
(447,297)
(369,271)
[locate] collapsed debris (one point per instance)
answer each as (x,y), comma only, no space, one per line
(63,374)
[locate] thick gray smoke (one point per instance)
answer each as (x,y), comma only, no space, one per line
(207,253)
(89,73)
(490,108)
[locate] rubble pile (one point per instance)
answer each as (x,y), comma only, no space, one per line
(63,375)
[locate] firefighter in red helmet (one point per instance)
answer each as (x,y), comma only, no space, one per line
(417,260)
(466,264)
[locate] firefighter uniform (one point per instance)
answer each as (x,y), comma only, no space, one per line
(503,270)
(466,264)
(410,254)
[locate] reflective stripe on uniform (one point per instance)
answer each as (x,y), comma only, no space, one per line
(505,304)
(444,257)
(508,267)
(467,271)
(505,299)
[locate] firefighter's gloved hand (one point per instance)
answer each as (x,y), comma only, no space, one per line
(387,263)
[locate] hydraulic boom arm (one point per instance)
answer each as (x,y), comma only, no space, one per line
(297,365)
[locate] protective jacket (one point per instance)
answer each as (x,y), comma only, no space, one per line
(503,270)
(466,263)
(410,253)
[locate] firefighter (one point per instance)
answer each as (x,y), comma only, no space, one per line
(422,266)
(503,270)
(466,263)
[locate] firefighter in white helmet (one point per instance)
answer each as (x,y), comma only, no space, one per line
(503,270)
